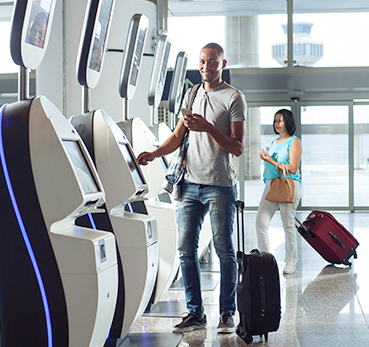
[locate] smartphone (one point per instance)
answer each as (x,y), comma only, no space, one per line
(186,112)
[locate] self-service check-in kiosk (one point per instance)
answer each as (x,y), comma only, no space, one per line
(64,184)
(163,132)
(142,139)
(160,203)
(58,282)
(136,234)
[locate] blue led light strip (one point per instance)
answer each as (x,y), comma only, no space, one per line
(24,233)
(92,221)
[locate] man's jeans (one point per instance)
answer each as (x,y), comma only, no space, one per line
(195,202)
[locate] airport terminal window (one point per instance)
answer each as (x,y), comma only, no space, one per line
(6,62)
(320,39)
(250,48)
(335,44)
(189,40)
(361,154)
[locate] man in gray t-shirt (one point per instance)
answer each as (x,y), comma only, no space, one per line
(207,162)
(216,133)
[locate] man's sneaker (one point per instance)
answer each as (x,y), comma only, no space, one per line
(189,323)
(226,324)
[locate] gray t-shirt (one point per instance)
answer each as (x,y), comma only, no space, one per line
(206,162)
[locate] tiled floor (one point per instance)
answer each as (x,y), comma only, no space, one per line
(322,305)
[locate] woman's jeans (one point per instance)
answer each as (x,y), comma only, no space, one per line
(265,213)
(196,200)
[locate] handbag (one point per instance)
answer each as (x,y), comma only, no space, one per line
(281,189)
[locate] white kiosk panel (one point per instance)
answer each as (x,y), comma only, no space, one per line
(124,175)
(159,70)
(136,234)
(96,29)
(68,186)
(133,53)
(31,24)
(176,86)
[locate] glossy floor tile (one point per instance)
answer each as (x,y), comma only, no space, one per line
(322,305)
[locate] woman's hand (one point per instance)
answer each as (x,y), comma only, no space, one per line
(265,156)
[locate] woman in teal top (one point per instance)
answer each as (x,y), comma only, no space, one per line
(284,151)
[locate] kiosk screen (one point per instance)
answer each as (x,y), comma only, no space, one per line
(178,97)
(38,22)
(84,174)
(137,56)
(100,34)
(131,163)
(163,71)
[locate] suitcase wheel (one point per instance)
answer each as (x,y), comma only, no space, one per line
(241,332)
(248,338)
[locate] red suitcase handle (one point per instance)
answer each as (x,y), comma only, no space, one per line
(336,239)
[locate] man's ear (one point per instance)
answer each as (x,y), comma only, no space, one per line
(224,63)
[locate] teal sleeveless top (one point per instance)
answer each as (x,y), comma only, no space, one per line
(280,153)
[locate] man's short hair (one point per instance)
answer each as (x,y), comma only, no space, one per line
(213,45)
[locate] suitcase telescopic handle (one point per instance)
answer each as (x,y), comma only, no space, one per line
(240,205)
(303,229)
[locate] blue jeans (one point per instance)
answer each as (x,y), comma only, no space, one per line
(196,200)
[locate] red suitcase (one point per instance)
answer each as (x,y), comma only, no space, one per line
(328,237)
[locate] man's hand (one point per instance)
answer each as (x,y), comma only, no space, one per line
(145,157)
(196,122)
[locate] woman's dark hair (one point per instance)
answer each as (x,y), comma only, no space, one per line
(288,120)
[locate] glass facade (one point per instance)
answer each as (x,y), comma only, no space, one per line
(361,155)
(343,35)
(6,62)
(320,39)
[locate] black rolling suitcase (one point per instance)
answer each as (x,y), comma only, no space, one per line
(258,288)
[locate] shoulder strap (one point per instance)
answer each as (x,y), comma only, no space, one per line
(192,95)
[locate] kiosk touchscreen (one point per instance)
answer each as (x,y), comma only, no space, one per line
(159,70)
(133,52)
(177,83)
(31,24)
(92,45)
(51,181)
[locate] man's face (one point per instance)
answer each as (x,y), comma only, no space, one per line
(39,36)
(211,65)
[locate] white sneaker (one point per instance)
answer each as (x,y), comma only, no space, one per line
(289,268)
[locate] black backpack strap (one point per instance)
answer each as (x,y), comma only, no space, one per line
(192,95)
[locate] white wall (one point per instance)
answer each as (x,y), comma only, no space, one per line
(106,94)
